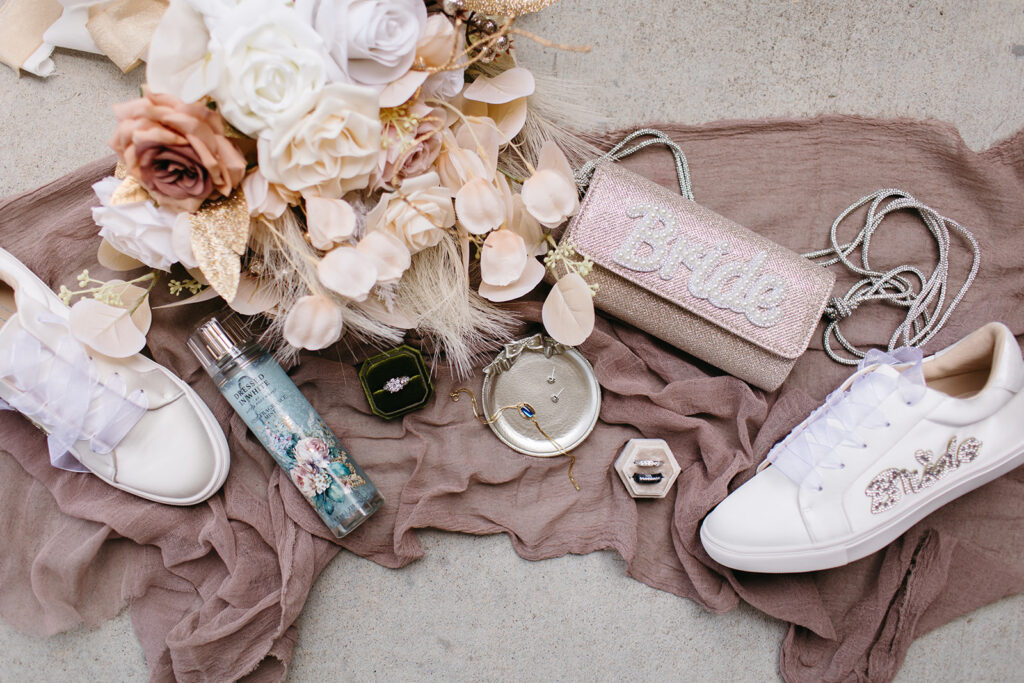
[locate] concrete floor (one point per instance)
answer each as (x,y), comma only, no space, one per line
(471,609)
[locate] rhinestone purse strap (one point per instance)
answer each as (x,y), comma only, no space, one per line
(624,149)
(924,296)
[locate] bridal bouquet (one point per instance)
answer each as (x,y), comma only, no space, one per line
(370,166)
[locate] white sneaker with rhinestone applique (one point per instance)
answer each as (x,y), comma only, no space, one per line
(896,441)
(129,421)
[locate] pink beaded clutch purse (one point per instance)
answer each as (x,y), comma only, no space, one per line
(694,279)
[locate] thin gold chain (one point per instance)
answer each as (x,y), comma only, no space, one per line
(528,414)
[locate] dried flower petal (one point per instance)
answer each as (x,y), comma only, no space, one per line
(347,272)
(111,258)
(314,322)
(508,117)
(550,194)
(478,206)
(388,253)
(253,296)
(532,274)
(507,86)
(479,134)
(568,312)
(106,329)
(456,166)
(329,221)
(527,227)
(503,258)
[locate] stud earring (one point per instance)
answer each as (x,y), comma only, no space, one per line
(551,377)
(554,397)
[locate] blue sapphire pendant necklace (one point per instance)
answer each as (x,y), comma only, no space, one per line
(528,412)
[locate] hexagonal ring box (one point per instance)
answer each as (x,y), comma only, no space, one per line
(633,470)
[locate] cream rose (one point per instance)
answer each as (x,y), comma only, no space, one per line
(331,150)
(272,62)
(371,42)
(438,45)
(417,214)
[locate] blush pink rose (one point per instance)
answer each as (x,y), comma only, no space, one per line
(176,150)
(410,141)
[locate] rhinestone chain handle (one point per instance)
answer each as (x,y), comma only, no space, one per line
(927,310)
(623,150)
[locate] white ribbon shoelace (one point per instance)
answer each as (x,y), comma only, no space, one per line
(835,423)
(61,392)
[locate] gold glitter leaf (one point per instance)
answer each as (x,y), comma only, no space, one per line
(506,8)
(120,171)
(129,192)
(220,232)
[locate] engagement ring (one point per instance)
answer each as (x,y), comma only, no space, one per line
(395,384)
(649,463)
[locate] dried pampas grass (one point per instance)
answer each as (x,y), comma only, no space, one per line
(436,293)
(283,261)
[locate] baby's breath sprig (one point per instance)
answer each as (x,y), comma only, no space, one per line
(177,287)
(109,293)
(572,261)
(478,241)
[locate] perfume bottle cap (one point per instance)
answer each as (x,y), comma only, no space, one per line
(218,342)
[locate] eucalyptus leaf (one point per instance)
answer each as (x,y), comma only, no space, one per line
(568,312)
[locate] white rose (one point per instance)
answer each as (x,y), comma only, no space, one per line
(438,45)
(331,150)
(141,230)
(417,214)
(371,42)
(273,64)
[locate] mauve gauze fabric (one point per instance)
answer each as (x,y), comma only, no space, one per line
(215,589)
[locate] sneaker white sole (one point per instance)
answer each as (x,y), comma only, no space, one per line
(836,554)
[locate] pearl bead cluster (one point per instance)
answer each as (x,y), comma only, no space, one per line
(737,285)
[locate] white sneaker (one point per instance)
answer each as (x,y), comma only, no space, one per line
(129,421)
(896,441)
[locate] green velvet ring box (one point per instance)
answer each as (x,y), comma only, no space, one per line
(396,382)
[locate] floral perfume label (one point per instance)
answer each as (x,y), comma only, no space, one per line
(299,440)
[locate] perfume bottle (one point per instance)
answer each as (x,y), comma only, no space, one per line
(286,424)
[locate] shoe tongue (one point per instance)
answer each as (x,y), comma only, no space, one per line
(907,377)
(886,371)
